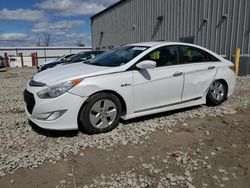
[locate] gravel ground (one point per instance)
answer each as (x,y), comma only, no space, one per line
(23,147)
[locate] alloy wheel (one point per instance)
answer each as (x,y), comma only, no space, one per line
(217,90)
(103,113)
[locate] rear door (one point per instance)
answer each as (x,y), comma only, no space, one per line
(199,73)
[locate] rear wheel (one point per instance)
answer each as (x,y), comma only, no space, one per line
(101,113)
(217,93)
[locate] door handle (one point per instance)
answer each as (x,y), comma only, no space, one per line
(177,73)
(211,67)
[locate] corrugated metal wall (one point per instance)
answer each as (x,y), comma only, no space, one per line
(220,25)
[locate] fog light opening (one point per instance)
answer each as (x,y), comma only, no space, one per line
(56,115)
(51,115)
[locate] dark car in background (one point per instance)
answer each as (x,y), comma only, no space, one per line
(79,57)
(61,58)
(2,65)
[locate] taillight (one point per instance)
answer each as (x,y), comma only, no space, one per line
(232,68)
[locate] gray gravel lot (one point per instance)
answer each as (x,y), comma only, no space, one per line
(20,146)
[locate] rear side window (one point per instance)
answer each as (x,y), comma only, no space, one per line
(194,55)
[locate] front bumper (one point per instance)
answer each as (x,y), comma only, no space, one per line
(67,102)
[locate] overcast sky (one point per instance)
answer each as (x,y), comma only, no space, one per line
(24,22)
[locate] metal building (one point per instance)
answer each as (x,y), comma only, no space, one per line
(219,25)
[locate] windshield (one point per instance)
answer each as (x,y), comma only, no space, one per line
(64,57)
(117,57)
(82,57)
(67,57)
(72,58)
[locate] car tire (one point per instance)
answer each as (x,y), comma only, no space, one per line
(217,93)
(100,114)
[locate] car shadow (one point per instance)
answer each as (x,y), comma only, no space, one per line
(158,115)
(52,133)
(56,134)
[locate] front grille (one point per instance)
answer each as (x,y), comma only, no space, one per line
(29,100)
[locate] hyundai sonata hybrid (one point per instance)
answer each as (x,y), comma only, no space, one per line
(127,82)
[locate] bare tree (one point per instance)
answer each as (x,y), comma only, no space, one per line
(43,39)
(38,41)
(46,39)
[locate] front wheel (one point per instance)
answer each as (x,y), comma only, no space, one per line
(101,113)
(217,93)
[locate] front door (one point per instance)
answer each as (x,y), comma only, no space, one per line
(160,86)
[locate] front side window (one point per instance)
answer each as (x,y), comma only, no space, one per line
(117,57)
(164,56)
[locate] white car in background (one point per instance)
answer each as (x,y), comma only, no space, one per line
(127,82)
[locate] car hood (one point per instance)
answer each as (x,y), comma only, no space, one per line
(72,71)
(54,63)
(47,62)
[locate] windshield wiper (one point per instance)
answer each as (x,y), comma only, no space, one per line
(98,64)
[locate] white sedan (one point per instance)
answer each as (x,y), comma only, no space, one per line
(127,82)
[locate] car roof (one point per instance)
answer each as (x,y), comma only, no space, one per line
(147,44)
(159,44)
(150,44)
(90,52)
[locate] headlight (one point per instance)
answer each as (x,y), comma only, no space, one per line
(57,90)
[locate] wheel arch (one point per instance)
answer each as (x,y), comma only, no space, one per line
(224,82)
(123,103)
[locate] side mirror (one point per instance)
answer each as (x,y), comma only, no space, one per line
(146,64)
